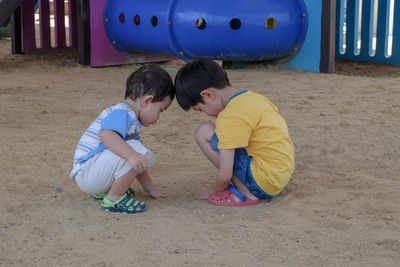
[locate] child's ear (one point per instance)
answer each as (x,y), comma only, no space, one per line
(209,92)
(146,99)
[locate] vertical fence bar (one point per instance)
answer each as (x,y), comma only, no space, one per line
(350,28)
(396,33)
(387,26)
(371,43)
(16,32)
(28,26)
(339,27)
(367,27)
(73,34)
(356,25)
(59,23)
(381,30)
(44,15)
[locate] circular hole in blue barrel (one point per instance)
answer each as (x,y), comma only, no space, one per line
(122,18)
(137,20)
(235,24)
(154,21)
(200,23)
(270,23)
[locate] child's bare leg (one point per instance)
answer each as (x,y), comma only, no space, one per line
(203,136)
(121,185)
(242,188)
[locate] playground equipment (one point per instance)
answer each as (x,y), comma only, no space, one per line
(5,30)
(6,8)
(240,30)
(24,25)
(376,39)
(299,32)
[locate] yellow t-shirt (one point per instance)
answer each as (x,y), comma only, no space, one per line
(251,121)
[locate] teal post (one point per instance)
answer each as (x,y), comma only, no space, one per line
(309,56)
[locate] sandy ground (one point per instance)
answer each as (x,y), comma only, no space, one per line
(341,207)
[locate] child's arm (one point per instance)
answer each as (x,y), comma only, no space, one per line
(225,170)
(119,147)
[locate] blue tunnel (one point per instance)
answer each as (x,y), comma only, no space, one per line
(239,30)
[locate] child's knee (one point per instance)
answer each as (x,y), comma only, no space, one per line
(150,158)
(204,131)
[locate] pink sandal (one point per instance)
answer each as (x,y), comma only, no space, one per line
(225,198)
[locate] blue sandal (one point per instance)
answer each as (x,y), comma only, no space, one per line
(101,196)
(125,204)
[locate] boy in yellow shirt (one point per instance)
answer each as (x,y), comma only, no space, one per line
(249,143)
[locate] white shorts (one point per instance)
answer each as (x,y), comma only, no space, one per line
(99,172)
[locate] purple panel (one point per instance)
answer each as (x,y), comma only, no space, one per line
(44,15)
(28,27)
(59,20)
(102,52)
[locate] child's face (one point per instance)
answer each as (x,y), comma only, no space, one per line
(212,105)
(150,113)
(210,108)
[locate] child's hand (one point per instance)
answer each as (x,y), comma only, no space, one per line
(157,193)
(138,161)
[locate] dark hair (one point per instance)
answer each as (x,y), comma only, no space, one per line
(151,80)
(195,77)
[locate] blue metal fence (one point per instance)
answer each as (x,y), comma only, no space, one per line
(368,30)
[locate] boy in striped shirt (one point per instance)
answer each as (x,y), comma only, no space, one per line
(109,155)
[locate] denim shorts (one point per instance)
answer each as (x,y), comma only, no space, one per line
(241,168)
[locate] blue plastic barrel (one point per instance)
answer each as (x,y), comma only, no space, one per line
(237,30)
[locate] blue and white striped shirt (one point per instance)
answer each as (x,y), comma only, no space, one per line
(119,118)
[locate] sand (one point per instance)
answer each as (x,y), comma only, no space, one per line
(340,208)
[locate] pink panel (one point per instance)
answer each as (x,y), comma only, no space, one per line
(28,27)
(73,34)
(29,31)
(102,52)
(44,15)
(59,20)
